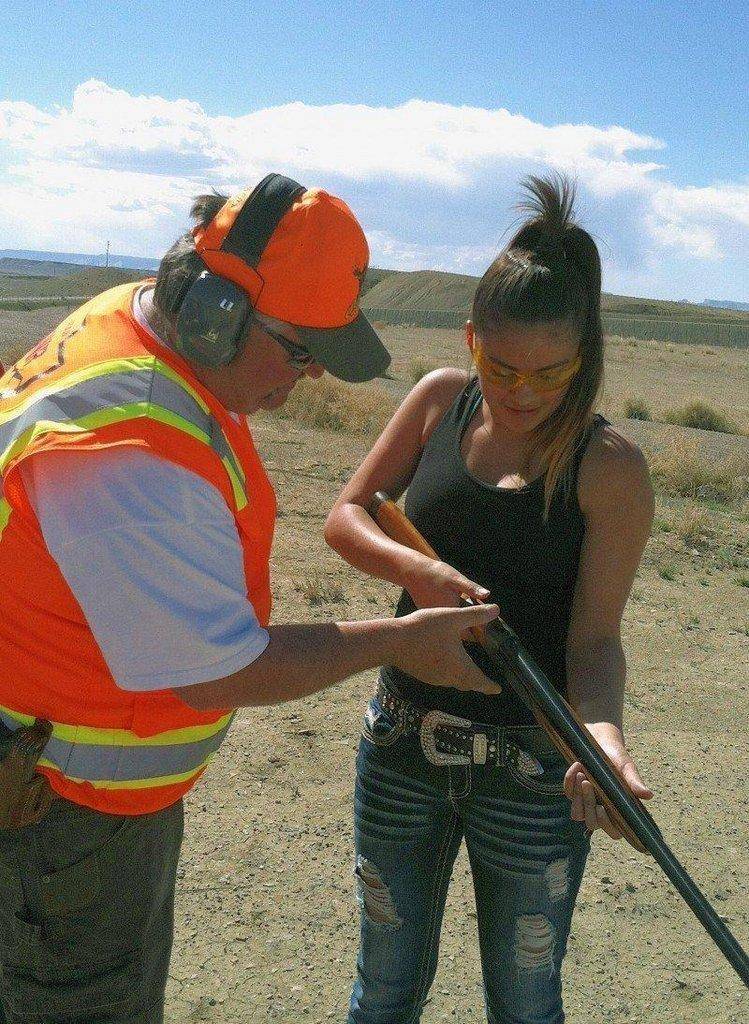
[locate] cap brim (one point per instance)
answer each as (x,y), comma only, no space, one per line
(352,353)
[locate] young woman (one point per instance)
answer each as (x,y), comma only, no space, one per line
(529,496)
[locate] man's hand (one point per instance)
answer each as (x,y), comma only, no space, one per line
(430,647)
(305,658)
(578,788)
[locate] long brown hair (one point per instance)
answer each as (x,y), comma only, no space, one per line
(551,272)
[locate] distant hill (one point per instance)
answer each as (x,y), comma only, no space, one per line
(373,277)
(422,289)
(727,304)
(427,298)
(437,290)
(83,282)
(81,259)
(12,267)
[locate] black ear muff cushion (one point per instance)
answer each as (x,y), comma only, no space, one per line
(212,321)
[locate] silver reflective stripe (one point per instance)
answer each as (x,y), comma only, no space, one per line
(221,446)
(162,393)
(121,389)
(124,763)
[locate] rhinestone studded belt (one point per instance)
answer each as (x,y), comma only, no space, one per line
(445,739)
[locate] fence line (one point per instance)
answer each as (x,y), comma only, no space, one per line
(686,332)
(25,303)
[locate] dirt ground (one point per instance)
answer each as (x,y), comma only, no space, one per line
(266,920)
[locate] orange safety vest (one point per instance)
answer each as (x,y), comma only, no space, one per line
(97,381)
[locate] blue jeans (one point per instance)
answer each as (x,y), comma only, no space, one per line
(527,859)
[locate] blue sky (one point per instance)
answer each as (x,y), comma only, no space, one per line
(424,117)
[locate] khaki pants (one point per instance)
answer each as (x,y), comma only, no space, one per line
(86,916)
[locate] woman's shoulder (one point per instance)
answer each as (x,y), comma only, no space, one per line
(443,384)
(609,445)
(613,470)
(436,392)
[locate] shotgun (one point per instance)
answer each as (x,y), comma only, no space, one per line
(575,742)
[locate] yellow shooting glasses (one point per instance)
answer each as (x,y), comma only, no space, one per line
(510,380)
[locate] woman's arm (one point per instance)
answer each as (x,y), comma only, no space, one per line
(389,467)
(616,498)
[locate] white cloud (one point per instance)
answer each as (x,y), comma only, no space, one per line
(431,182)
(459,259)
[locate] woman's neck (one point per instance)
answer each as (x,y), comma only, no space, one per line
(516,446)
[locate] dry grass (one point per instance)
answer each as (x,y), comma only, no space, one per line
(702,416)
(694,526)
(681,470)
(419,368)
(637,409)
(316,588)
(328,404)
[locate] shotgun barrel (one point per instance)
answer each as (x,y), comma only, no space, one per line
(576,743)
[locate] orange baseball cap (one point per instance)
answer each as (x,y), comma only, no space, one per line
(301,256)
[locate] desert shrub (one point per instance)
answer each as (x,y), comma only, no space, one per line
(316,588)
(329,404)
(419,368)
(703,417)
(694,527)
(637,409)
(682,470)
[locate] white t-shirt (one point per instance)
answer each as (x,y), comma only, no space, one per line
(152,555)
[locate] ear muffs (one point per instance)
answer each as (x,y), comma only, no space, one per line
(214,314)
(212,321)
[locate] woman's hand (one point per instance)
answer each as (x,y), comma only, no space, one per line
(434,584)
(579,790)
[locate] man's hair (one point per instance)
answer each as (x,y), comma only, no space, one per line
(551,273)
(181,266)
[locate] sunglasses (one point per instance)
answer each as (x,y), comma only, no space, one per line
(298,356)
(510,380)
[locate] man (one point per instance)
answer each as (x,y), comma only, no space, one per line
(135,532)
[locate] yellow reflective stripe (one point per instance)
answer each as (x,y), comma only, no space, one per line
(166,371)
(100,418)
(240,494)
(123,737)
(237,481)
(135,363)
(117,414)
(4,515)
(161,780)
(129,364)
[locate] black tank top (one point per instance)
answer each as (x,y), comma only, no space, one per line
(498,537)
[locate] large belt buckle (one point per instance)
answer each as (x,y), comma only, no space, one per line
(430,721)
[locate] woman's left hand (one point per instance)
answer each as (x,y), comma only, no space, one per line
(578,788)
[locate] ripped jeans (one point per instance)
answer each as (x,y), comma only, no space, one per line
(527,859)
